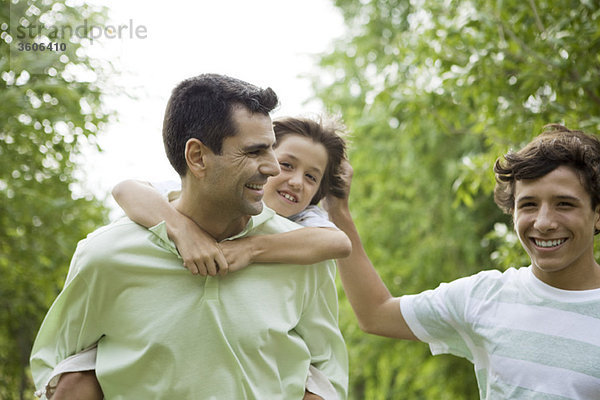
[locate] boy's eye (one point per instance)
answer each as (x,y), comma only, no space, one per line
(285,165)
(312,177)
(526,205)
(565,204)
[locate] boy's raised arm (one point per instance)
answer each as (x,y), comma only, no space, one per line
(377,311)
(145,205)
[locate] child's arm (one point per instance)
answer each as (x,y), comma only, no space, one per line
(377,311)
(144,205)
(302,246)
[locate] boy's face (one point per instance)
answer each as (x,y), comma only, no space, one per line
(555,223)
(303,163)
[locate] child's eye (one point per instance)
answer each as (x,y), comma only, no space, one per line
(312,178)
(285,165)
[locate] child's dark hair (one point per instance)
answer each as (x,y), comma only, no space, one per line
(554,147)
(327,132)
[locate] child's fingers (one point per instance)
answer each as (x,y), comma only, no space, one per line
(211,267)
(222,263)
(191,266)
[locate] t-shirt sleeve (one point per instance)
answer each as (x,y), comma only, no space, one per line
(437,317)
(313,217)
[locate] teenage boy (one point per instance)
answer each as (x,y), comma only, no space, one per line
(532,332)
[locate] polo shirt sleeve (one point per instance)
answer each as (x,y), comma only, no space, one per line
(70,326)
(318,327)
(437,317)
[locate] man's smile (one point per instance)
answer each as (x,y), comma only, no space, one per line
(255,186)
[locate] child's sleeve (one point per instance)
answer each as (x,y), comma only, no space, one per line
(313,217)
(169,189)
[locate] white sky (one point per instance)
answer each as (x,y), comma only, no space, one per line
(265,42)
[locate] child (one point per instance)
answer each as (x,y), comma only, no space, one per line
(532,332)
(310,154)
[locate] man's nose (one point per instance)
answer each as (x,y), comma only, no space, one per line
(269,165)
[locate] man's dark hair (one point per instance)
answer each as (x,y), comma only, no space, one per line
(554,147)
(327,132)
(202,107)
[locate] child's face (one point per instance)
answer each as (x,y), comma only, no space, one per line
(555,223)
(303,163)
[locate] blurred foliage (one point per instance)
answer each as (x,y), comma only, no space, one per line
(51,108)
(433,91)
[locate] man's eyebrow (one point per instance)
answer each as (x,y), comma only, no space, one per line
(257,146)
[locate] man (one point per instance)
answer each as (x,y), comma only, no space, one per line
(531,332)
(164,334)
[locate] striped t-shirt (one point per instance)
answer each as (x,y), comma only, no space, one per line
(526,339)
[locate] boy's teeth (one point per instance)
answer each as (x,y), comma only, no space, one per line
(289,197)
(549,243)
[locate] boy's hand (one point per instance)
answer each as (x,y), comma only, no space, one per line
(333,203)
(200,252)
(238,253)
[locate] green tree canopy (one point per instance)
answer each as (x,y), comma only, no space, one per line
(433,92)
(51,108)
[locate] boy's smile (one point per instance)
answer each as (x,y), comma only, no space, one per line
(555,223)
(303,163)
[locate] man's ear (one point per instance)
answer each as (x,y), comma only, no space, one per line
(597,216)
(195,156)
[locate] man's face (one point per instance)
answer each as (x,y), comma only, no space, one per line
(555,223)
(246,161)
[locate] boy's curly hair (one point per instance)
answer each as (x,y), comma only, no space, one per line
(555,146)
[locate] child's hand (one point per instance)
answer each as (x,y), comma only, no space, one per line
(333,203)
(238,252)
(200,252)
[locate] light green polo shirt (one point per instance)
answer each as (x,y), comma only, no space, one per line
(165,334)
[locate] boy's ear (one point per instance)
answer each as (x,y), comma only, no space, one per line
(597,216)
(196,156)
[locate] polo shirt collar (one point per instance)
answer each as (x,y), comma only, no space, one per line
(161,238)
